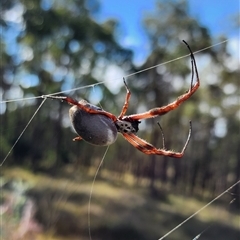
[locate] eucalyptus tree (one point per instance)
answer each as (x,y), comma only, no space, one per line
(53,46)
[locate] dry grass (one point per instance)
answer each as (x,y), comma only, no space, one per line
(119,210)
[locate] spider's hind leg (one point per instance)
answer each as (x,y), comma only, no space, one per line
(187,141)
(188,138)
(163,137)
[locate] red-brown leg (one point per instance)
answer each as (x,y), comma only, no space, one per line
(148,148)
(127,98)
(77,138)
(165,109)
(139,143)
(85,108)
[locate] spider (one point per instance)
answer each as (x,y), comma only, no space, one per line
(98,127)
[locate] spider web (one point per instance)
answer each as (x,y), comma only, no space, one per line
(106,151)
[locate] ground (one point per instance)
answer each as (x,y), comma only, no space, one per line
(120,210)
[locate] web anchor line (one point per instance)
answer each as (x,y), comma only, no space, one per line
(126,76)
(201,209)
(22,132)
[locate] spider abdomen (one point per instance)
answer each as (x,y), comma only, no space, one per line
(96,129)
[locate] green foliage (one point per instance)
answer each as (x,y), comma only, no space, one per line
(63,47)
(60,47)
(211,109)
(17,211)
(119,210)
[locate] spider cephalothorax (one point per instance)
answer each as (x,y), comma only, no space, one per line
(127,126)
(99,127)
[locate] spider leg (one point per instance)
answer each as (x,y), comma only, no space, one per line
(139,143)
(163,138)
(77,138)
(171,106)
(127,98)
(62,98)
(82,106)
(193,64)
(148,148)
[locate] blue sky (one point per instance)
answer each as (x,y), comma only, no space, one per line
(214,14)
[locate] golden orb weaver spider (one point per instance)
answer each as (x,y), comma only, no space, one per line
(98,127)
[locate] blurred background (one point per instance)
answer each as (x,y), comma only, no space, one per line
(50,46)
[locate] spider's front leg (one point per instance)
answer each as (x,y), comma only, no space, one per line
(127,98)
(171,106)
